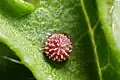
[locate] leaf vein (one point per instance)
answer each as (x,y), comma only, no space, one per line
(91,34)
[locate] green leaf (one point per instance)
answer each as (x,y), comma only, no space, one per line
(16,8)
(109,61)
(95,54)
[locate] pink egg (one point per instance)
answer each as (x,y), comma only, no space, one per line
(58,47)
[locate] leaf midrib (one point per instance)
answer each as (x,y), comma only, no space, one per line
(91,34)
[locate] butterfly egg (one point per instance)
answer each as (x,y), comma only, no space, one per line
(58,47)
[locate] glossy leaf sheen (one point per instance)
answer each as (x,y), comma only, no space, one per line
(16,8)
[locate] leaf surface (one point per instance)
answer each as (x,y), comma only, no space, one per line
(92,56)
